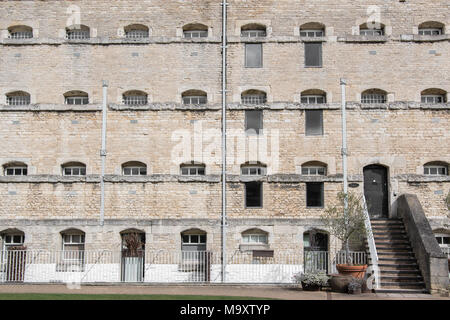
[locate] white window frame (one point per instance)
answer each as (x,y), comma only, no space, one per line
(134,171)
(17,35)
(314,170)
(435,98)
(253,33)
(190,241)
(73,260)
(74,168)
(192,170)
(254,98)
(137,34)
(195,34)
(312,99)
(255,238)
(371,32)
(312,33)
(194,99)
(428,168)
(12,243)
(135,100)
(444,246)
(14,168)
(18,100)
(430,31)
(77,34)
(76,100)
(373,98)
(253,171)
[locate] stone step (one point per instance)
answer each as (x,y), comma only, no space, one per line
(402,278)
(399,259)
(390,237)
(398,267)
(395,255)
(398,290)
(406,273)
(402,285)
(394,246)
(389,232)
(388,227)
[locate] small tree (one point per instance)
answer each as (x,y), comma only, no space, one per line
(349,226)
(133,244)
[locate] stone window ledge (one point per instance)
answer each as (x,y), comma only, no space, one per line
(51,107)
(251,247)
(423,38)
(358,38)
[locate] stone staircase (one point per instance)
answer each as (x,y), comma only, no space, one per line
(399,271)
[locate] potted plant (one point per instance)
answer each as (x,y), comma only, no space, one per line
(355,286)
(347,225)
(311,281)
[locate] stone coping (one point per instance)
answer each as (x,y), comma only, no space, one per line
(346,38)
(212,178)
(351,105)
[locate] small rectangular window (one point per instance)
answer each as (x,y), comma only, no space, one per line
(314,122)
(314,194)
(253,122)
(253,55)
(253,195)
(313,54)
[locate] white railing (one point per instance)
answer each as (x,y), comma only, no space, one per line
(372,247)
(160,266)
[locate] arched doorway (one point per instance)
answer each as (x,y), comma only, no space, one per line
(133,255)
(376,191)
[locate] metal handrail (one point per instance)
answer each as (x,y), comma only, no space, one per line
(371,243)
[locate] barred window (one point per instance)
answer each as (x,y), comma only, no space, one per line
(253,171)
(194,100)
(371,32)
(73,242)
(76,97)
(20,32)
(314,170)
(430,32)
(253,33)
(313,99)
(432,98)
(74,169)
(135,98)
(253,97)
(373,96)
(197,170)
(134,168)
(256,238)
(195,34)
(18,98)
(81,33)
(311,33)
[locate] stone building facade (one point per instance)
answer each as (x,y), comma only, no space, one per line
(402,133)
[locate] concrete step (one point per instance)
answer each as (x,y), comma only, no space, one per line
(395,246)
(390,237)
(388,227)
(403,285)
(400,260)
(398,267)
(397,273)
(395,255)
(398,290)
(389,232)
(403,278)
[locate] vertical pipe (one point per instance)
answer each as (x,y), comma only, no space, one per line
(344,158)
(103,153)
(224,132)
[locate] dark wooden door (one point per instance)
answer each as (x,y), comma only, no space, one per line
(376,191)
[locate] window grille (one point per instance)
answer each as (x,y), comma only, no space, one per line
(373,98)
(253,98)
(313,54)
(314,194)
(432,98)
(311,33)
(193,171)
(314,171)
(77,100)
(313,122)
(253,195)
(194,100)
(135,100)
(77,34)
(16,171)
(435,170)
(195,34)
(136,34)
(253,171)
(430,31)
(134,171)
(253,33)
(254,238)
(21,35)
(312,99)
(74,171)
(371,32)
(18,100)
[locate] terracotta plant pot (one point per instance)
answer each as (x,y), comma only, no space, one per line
(351,270)
(339,283)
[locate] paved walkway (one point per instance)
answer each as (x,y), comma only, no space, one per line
(212,290)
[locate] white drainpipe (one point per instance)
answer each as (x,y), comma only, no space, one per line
(103,153)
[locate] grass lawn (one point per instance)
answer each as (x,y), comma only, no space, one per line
(69,296)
